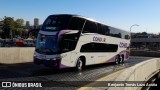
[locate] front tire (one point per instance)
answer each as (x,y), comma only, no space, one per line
(117,60)
(79,64)
(122,59)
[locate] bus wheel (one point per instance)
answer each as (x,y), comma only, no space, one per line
(122,59)
(117,60)
(79,65)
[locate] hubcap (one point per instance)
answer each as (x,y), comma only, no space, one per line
(79,64)
(117,60)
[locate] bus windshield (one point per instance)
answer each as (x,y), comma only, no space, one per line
(50,44)
(56,23)
(47,44)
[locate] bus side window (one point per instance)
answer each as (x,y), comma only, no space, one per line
(127,37)
(100,29)
(106,30)
(89,47)
(66,46)
(76,23)
(116,33)
(68,42)
(101,47)
(90,27)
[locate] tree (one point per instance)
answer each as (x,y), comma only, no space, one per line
(8,26)
(12,28)
(144,33)
(19,23)
(1,24)
(19,28)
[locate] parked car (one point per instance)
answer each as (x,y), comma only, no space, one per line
(29,42)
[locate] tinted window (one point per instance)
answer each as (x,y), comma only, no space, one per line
(69,42)
(56,22)
(68,45)
(115,33)
(100,29)
(87,47)
(107,30)
(99,47)
(126,36)
(90,27)
(76,23)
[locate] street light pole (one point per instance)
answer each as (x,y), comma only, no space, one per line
(131,33)
(131,28)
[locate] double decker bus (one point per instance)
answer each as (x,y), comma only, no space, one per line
(67,40)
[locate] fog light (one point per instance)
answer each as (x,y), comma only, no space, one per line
(47,59)
(34,56)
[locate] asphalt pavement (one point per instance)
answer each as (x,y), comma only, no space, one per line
(30,72)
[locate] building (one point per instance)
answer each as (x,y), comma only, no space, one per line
(27,24)
(36,23)
(146,42)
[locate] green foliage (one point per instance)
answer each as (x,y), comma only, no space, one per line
(19,22)
(144,33)
(1,29)
(11,28)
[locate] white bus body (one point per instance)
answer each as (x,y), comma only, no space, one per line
(74,45)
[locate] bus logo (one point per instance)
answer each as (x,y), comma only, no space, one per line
(99,39)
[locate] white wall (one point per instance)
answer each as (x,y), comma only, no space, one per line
(16,55)
(140,72)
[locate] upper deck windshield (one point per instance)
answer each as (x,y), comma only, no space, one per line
(56,22)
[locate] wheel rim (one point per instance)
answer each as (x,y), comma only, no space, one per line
(79,65)
(116,60)
(121,59)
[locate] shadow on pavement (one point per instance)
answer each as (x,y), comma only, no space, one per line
(29,70)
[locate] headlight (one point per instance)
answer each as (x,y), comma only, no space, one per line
(53,59)
(34,55)
(56,58)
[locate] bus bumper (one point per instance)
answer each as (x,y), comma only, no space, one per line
(48,63)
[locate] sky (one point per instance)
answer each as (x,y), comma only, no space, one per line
(121,14)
